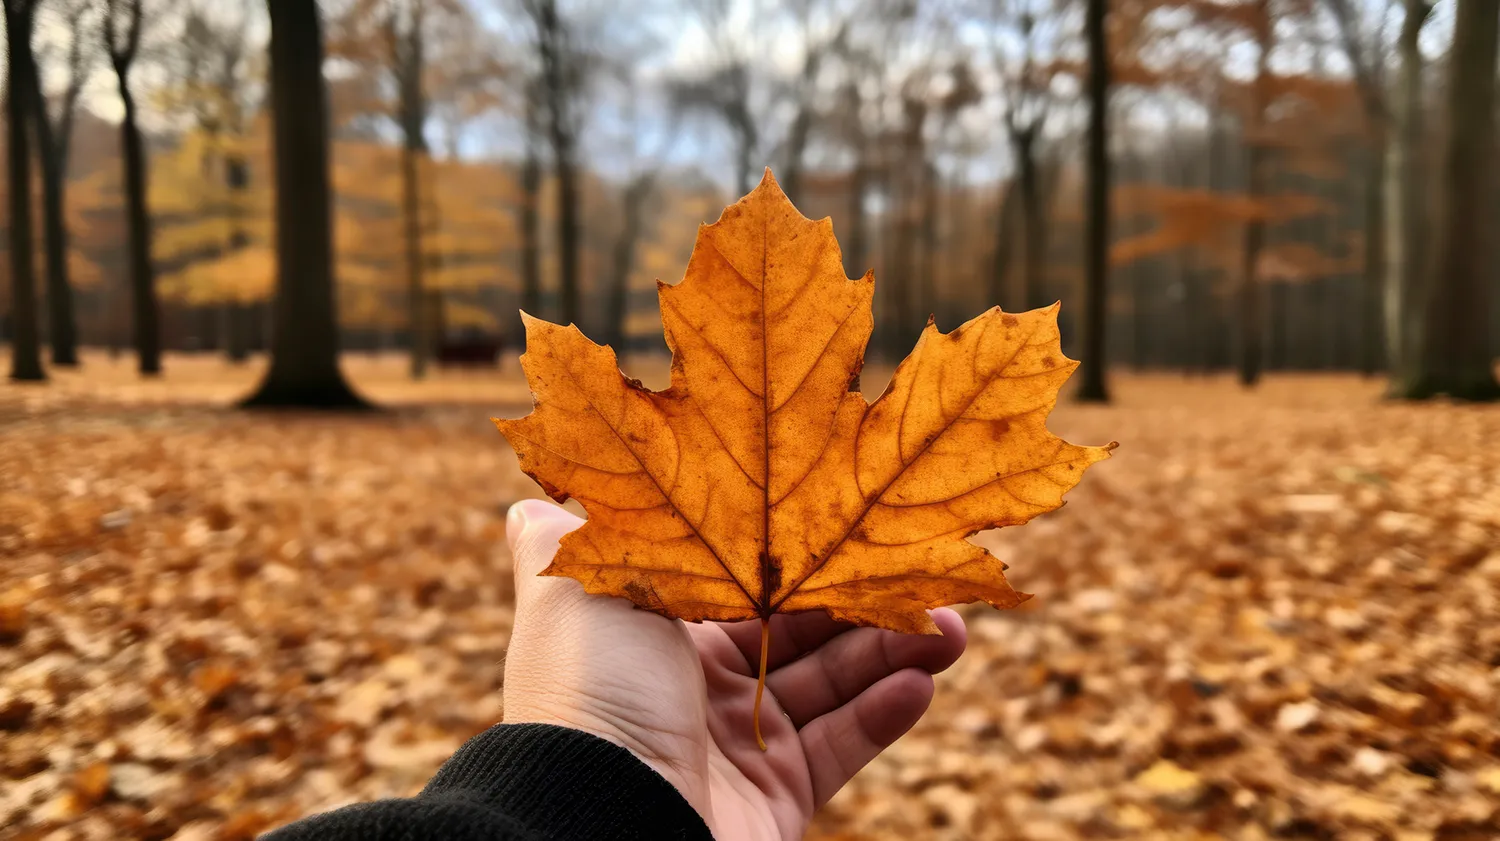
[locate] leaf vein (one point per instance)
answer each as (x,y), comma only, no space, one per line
(854,523)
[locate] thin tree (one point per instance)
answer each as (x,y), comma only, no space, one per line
(851,103)
(1453,354)
(529,207)
(304,368)
(1026,88)
(212,87)
(215,87)
(122,40)
(818,44)
(54,138)
(560,73)
(1406,224)
(1092,388)
(1251,347)
(633,199)
(643,173)
(406,40)
(1363,46)
(723,89)
(856,126)
(26,356)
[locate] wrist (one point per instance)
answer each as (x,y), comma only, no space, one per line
(641,742)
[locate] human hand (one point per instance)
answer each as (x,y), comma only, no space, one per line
(680,696)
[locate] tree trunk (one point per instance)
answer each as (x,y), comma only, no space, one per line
(411,219)
(932,212)
(854,250)
(1252,322)
(744,152)
(1092,388)
(145,309)
(855,261)
(236,332)
(1370,347)
(26,354)
(1033,242)
(52,151)
(1005,211)
(413,152)
(206,334)
(900,317)
(304,368)
(1279,332)
(1452,354)
(530,222)
(1405,231)
(796,146)
(1140,316)
(632,206)
(235,313)
(567,231)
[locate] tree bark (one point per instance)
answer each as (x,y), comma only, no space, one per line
(1033,241)
(530,218)
(1251,321)
(236,332)
(932,211)
(1005,211)
(903,310)
(854,250)
(1092,388)
(567,233)
(413,116)
(145,309)
(26,354)
(304,370)
(745,139)
(236,313)
(1140,316)
(52,151)
(558,80)
(1371,354)
(632,206)
(1405,231)
(1453,346)
(801,128)
(411,218)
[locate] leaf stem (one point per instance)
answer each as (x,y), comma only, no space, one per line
(760,683)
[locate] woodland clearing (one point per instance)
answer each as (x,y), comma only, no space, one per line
(1271,614)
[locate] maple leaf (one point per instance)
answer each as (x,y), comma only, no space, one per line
(762,482)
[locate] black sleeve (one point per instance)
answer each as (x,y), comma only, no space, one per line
(519,782)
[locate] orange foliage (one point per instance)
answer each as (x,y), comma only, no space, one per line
(758,483)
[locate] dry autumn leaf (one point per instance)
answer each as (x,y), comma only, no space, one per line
(762,482)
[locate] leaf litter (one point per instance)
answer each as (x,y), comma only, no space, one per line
(243,620)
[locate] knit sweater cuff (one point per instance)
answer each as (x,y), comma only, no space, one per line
(565,783)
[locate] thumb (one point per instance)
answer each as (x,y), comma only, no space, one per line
(533,528)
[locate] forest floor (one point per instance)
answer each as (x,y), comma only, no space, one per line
(1270,615)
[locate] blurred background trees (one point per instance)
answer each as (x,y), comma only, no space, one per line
(1244,186)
